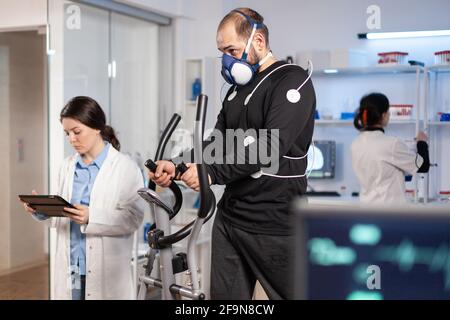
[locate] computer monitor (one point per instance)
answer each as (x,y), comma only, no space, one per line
(322,159)
(361,253)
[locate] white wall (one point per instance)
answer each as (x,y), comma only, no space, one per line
(306,24)
(169,8)
(23,14)
(332,24)
(194,24)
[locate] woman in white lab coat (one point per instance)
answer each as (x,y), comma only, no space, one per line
(381,162)
(94,241)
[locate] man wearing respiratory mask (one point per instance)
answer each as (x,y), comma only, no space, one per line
(252,237)
(241,71)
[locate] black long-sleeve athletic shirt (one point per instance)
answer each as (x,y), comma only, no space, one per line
(263,205)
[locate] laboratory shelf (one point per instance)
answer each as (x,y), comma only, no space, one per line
(440,68)
(439,123)
(391,69)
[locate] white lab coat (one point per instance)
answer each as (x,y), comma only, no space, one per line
(380,163)
(115,213)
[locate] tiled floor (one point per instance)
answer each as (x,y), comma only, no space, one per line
(29,284)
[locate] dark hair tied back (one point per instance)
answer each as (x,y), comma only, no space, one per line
(88,112)
(371,110)
(109,135)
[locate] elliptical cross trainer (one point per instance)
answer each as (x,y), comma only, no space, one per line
(159,236)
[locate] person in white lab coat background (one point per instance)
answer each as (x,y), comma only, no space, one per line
(94,241)
(381,162)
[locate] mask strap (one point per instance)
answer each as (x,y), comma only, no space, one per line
(249,43)
(256,26)
(250,20)
(263,60)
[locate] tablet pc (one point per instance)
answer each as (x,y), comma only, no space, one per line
(50,205)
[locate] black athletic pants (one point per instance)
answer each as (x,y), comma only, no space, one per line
(239,258)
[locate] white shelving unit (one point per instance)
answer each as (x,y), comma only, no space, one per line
(376,70)
(342,131)
(207,69)
(439,131)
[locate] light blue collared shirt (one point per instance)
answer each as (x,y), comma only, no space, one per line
(83,182)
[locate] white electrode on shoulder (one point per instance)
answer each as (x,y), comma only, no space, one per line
(293,96)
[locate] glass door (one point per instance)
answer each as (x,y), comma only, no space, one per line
(86,56)
(134,85)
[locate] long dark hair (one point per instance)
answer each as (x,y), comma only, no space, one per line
(370,111)
(88,112)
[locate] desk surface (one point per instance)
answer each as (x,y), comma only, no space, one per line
(343,200)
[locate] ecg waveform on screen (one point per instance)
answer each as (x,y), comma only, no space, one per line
(406,255)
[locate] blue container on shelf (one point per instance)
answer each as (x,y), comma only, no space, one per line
(347,115)
(445,117)
(196,88)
